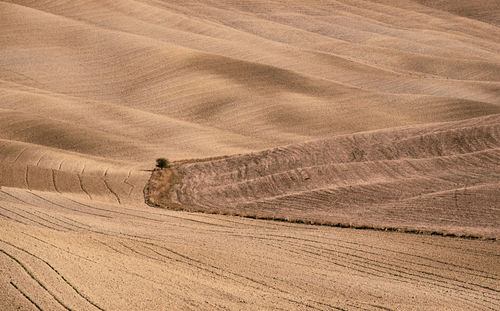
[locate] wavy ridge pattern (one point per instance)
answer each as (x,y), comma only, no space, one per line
(92,91)
(440,177)
(137,80)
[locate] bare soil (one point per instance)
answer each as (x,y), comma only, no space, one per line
(362,113)
(437,179)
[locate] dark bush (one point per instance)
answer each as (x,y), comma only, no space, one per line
(162,163)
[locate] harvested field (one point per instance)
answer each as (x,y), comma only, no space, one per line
(62,253)
(434,178)
(364,113)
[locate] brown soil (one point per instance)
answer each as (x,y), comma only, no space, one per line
(377,113)
(59,252)
(435,178)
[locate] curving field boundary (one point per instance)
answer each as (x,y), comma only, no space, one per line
(436,179)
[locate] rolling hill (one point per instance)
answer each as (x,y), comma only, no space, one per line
(370,113)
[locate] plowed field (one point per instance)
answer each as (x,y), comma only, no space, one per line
(377,114)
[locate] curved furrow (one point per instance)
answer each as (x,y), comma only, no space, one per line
(368,114)
(57,272)
(407,275)
(360,179)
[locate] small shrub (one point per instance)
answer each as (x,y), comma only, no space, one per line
(162,163)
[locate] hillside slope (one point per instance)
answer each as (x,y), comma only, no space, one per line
(434,177)
(209,78)
(114,85)
(379,112)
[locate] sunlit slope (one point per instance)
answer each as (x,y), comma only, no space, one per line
(308,94)
(58,253)
(485,10)
(442,177)
(227,77)
(84,84)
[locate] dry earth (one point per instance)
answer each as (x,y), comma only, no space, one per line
(61,253)
(399,100)
(434,178)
